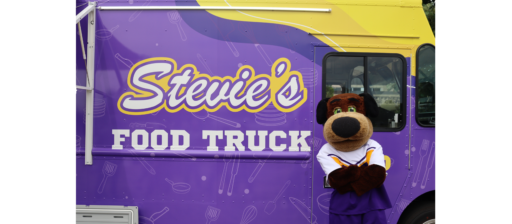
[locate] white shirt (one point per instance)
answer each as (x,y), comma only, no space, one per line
(331,159)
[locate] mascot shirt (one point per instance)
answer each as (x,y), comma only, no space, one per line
(331,159)
(349,203)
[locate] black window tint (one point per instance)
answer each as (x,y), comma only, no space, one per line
(344,75)
(381,75)
(384,81)
(425,86)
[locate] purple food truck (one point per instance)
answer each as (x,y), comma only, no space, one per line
(203,111)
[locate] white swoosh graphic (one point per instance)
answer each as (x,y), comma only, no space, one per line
(288,23)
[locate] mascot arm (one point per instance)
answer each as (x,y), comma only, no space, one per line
(372,176)
(341,179)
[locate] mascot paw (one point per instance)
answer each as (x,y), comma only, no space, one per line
(344,189)
(344,176)
(371,177)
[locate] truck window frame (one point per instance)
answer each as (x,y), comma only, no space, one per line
(416,83)
(403,88)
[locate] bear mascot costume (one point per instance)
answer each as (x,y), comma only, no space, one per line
(354,163)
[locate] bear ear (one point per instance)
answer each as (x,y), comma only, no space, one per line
(321,111)
(370,106)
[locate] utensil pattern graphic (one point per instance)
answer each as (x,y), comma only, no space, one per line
(271,205)
(249,214)
(257,170)
(104,34)
(109,169)
(270,116)
(154,217)
(227,159)
(309,76)
(246,29)
(175,18)
(123,60)
(403,204)
(303,209)
(234,171)
(145,164)
(428,167)
(179,188)
(205,114)
(423,153)
(137,13)
(211,214)
(323,201)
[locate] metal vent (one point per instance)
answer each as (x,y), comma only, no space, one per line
(111,214)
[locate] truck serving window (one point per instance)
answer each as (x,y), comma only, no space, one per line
(425,85)
(380,75)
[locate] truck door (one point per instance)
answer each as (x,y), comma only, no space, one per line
(383,75)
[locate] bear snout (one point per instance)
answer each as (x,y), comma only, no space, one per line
(345,127)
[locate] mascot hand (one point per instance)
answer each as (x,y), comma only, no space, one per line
(340,178)
(371,177)
(344,189)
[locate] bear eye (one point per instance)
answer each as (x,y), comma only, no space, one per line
(351,109)
(337,110)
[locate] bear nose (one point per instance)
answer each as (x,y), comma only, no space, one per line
(345,126)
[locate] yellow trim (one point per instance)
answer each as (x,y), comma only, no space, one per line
(388,162)
(368,156)
(366,35)
(394,24)
(338,161)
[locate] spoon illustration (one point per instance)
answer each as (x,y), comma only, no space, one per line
(204,114)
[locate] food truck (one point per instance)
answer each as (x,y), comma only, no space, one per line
(204,110)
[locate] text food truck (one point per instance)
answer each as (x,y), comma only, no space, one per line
(204,110)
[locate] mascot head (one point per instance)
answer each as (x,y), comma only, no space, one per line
(344,116)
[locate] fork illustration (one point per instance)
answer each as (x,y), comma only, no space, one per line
(175,18)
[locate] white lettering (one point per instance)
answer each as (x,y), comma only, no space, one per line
(137,104)
(154,139)
(135,139)
(295,140)
(212,135)
(262,142)
(230,141)
(222,93)
(293,88)
(272,140)
(118,138)
(234,92)
(176,139)
(193,90)
(252,92)
(177,80)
